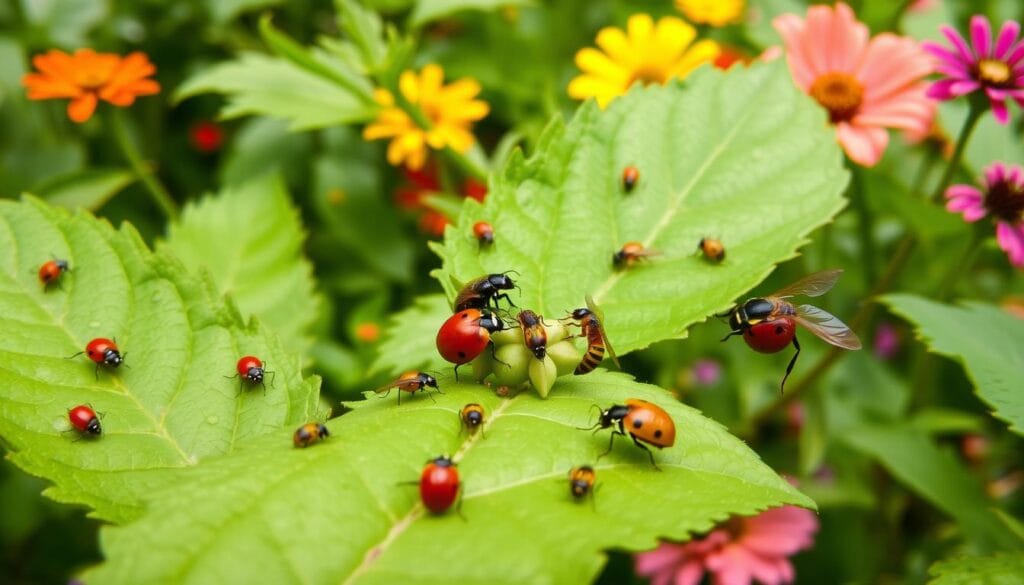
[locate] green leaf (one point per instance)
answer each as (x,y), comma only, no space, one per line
(428,10)
(409,341)
(169,408)
(261,266)
(1002,569)
(88,189)
(936,476)
(742,156)
(258,84)
(992,357)
(364,27)
(241,515)
(224,11)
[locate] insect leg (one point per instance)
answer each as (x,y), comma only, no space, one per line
(792,363)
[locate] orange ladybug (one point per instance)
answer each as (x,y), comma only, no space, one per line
(630,177)
(630,254)
(645,422)
(51,271)
(712,249)
(484,232)
(581,482)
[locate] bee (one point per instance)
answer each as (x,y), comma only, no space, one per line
(630,254)
(581,482)
(310,433)
(589,320)
(534,334)
(479,292)
(410,382)
(712,249)
(472,416)
(768,324)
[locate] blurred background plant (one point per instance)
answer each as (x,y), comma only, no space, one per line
(901,455)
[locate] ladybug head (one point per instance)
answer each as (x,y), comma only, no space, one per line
(321,430)
(93,428)
(62,264)
(442,461)
(255,374)
(540,351)
(112,357)
(428,380)
(580,487)
(491,322)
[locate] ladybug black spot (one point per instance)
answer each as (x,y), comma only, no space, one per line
(637,424)
(779,330)
(465,315)
(657,434)
(462,355)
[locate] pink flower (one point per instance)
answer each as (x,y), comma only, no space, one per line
(997,68)
(887,341)
(738,552)
(866,85)
(1002,197)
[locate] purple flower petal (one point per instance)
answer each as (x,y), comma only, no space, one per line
(994,173)
(949,62)
(1011,240)
(974,214)
(981,36)
(964,86)
(958,41)
(1015,175)
(1007,36)
(964,192)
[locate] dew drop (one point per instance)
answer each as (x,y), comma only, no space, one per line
(212,420)
(94,324)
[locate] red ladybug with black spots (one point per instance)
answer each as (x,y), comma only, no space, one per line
(466,334)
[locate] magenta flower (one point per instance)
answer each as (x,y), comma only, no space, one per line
(997,68)
(1002,197)
(738,552)
(867,85)
(887,341)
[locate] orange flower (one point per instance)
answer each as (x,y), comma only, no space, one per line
(87,77)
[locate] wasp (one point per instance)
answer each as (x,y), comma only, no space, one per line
(589,319)
(768,324)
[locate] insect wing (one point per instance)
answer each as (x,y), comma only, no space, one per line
(813,285)
(604,334)
(827,326)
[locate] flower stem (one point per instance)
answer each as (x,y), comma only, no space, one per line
(959,269)
(131,152)
(865,228)
(973,115)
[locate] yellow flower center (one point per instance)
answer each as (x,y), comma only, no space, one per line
(648,74)
(840,93)
(993,72)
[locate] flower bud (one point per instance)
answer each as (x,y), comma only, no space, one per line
(542,375)
(566,357)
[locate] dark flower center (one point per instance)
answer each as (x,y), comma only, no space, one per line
(840,93)
(993,72)
(1005,200)
(647,74)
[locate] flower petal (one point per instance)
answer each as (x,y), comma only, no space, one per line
(981,36)
(1011,240)
(1007,36)
(82,107)
(864,145)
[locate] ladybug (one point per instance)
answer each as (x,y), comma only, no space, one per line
(84,420)
(645,422)
(439,484)
(479,292)
(484,232)
(712,249)
(310,433)
(472,417)
(103,351)
(581,482)
(410,382)
(51,271)
(630,177)
(465,335)
(630,254)
(251,368)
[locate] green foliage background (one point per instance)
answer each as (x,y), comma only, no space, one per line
(293,244)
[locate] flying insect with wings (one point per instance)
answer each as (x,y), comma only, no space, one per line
(768,324)
(589,320)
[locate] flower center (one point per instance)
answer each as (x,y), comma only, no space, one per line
(1006,201)
(839,93)
(91,80)
(993,72)
(735,526)
(647,74)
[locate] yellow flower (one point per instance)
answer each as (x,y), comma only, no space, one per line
(713,12)
(449,111)
(644,52)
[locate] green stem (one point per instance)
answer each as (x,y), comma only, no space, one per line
(865,228)
(973,115)
(958,270)
(131,152)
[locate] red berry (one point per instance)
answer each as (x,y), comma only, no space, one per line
(439,485)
